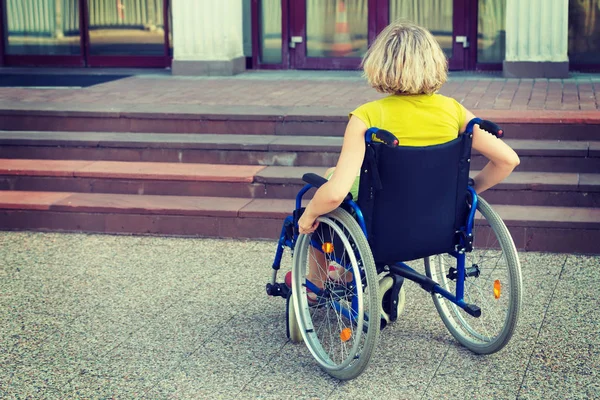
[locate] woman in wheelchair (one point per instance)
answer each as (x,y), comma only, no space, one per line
(401,191)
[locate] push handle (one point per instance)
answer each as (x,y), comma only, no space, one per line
(492,128)
(488,126)
(386,137)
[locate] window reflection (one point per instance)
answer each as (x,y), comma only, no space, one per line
(336,28)
(126,27)
(270,31)
(584,31)
(42,27)
(435,15)
(491,31)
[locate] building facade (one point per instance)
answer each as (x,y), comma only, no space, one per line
(522,38)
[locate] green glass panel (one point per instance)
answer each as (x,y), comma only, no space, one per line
(270,32)
(337,28)
(435,15)
(491,31)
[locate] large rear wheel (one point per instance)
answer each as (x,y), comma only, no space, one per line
(494,284)
(339,319)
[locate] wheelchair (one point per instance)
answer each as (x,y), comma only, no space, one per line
(414,203)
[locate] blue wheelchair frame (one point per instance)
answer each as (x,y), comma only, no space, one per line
(400,268)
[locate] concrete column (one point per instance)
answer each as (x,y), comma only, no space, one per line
(537,39)
(207,37)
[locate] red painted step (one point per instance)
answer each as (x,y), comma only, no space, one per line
(554,229)
(521,188)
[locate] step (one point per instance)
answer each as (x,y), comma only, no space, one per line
(251,181)
(536,155)
(264,120)
(520,188)
(552,229)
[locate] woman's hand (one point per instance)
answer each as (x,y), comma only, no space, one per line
(307,224)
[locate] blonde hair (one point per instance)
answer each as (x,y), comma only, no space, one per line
(405,59)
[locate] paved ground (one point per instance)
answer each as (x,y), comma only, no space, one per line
(323,89)
(92,316)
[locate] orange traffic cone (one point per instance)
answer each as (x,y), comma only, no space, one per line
(342,43)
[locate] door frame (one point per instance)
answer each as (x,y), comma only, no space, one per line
(85,59)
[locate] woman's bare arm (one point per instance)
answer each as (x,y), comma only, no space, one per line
(503,159)
(329,196)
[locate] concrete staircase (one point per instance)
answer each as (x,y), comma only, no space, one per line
(243,185)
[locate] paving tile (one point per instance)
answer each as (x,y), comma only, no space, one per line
(566,359)
(170,171)
(189,318)
(503,372)
(30,200)
(169,205)
(27,386)
(89,387)
(216,370)
(583,269)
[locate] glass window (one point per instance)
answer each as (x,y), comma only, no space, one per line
(337,28)
(491,31)
(42,27)
(435,15)
(270,32)
(126,27)
(584,31)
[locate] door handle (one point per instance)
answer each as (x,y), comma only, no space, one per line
(294,40)
(462,39)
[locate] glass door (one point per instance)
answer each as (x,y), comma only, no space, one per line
(335,34)
(46,32)
(330,34)
(94,33)
(447,21)
(127,33)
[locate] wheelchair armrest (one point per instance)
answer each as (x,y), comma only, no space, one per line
(317,181)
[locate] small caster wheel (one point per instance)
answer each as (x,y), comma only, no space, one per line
(291,323)
(388,300)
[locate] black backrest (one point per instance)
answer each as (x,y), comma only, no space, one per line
(414,199)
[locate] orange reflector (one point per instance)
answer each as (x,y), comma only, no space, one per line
(497,289)
(345,334)
(327,247)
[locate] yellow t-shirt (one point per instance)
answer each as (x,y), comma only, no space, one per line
(416,120)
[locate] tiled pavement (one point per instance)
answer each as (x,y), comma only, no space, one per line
(98,316)
(323,89)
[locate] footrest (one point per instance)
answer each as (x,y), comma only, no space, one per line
(278,289)
(472,310)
